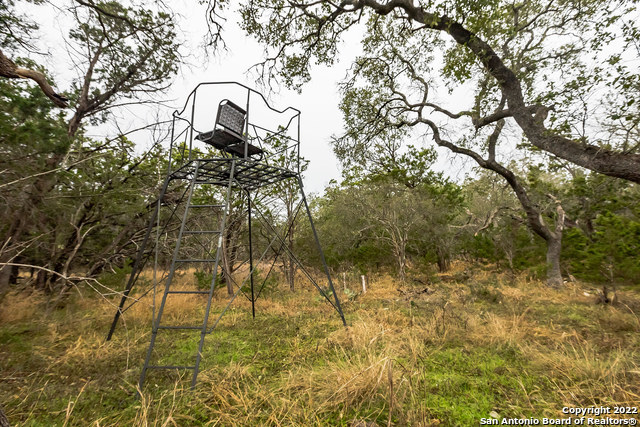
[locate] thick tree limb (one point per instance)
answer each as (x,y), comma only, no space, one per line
(10,70)
(538,110)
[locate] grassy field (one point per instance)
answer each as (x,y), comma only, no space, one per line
(474,344)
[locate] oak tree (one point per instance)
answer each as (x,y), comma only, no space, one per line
(559,70)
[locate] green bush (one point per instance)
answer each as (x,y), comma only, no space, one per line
(268,283)
(610,254)
(203,280)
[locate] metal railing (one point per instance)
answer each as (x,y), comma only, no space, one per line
(285,131)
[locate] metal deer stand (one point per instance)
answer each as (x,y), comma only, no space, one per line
(243,164)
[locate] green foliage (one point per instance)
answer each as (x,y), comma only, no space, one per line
(204,279)
(15,30)
(266,284)
(482,247)
(117,278)
(135,51)
(71,201)
(31,128)
(610,255)
(554,52)
(338,220)
(604,245)
(496,54)
(92,202)
(398,211)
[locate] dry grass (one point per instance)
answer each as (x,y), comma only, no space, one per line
(449,356)
(21,307)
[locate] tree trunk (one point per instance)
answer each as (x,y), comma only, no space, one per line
(401,260)
(292,272)
(289,266)
(443,260)
(41,281)
(14,236)
(508,253)
(229,254)
(534,217)
(4,422)
(13,277)
(554,276)
(5,274)
(226,266)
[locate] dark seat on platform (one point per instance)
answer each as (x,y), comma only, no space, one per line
(228,132)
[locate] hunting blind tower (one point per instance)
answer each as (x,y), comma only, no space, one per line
(249,149)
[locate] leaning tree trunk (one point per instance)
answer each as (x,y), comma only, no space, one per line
(553,238)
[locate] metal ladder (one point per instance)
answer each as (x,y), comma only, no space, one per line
(176,260)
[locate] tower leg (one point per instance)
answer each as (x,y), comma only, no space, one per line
(324,261)
(253,299)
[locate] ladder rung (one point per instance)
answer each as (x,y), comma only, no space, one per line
(206,206)
(179,327)
(201,232)
(187,292)
(170,367)
(196,260)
